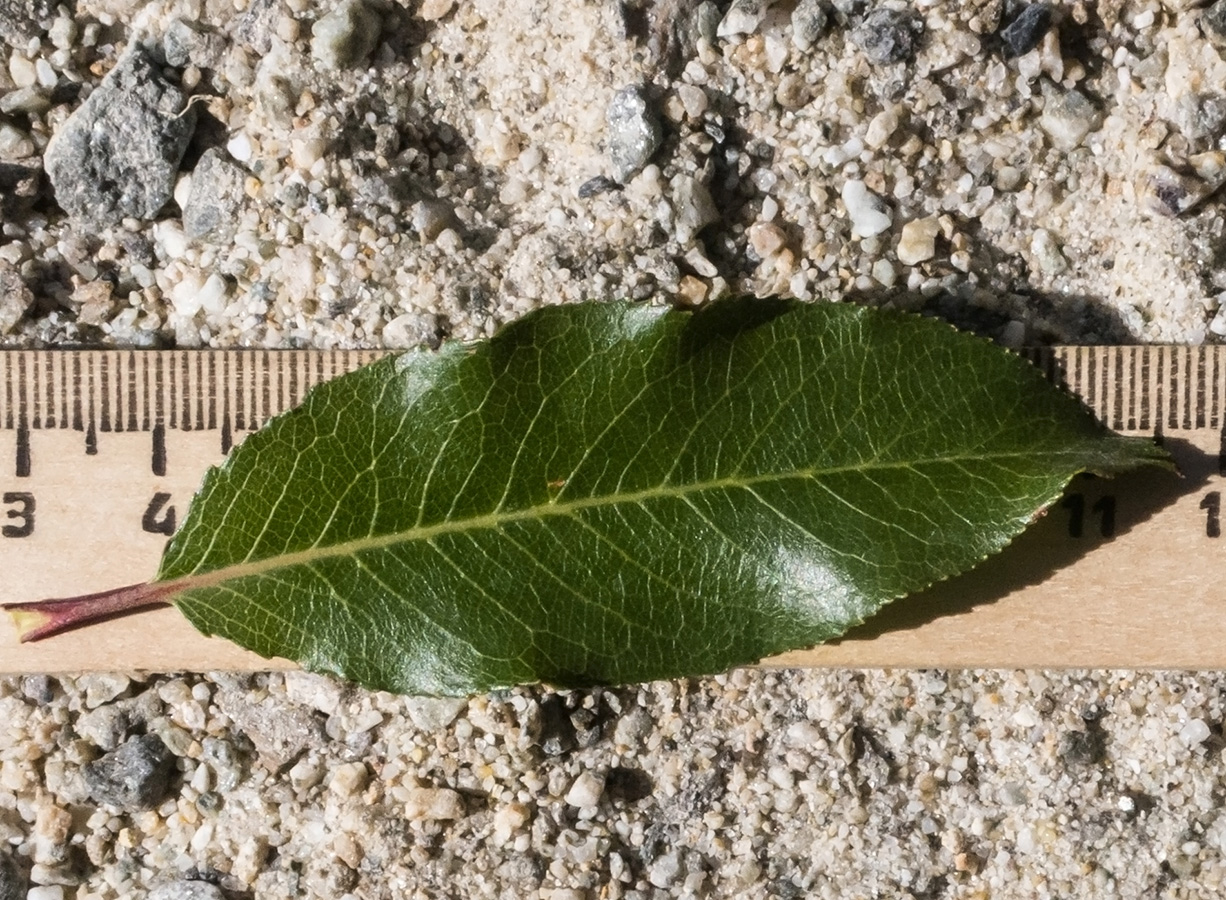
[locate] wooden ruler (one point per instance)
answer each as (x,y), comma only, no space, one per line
(100,452)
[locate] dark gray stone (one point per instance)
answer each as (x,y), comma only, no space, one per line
(132,778)
(38,688)
(21,20)
(598,185)
(119,153)
(1213,24)
(889,35)
(13,883)
(634,132)
(1024,33)
(212,205)
(187,890)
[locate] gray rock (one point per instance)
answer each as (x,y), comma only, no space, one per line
(22,20)
(889,35)
(1068,117)
(431,217)
(12,881)
(706,21)
(216,195)
(1202,117)
(1213,24)
(432,714)
(187,890)
(15,298)
(227,761)
(347,35)
(184,42)
(693,206)
(279,734)
(743,17)
(119,153)
(132,778)
(1024,33)
(634,132)
(809,22)
(32,99)
(38,688)
(257,25)
(105,726)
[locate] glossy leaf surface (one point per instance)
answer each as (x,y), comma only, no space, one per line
(611,493)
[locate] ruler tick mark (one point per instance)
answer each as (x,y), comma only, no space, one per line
(23,449)
(159,449)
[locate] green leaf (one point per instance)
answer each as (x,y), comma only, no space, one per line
(610,493)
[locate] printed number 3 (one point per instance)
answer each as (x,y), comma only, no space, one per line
(25,514)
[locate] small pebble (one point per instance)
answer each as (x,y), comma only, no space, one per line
(869,213)
(347,35)
(348,779)
(743,17)
(1027,29)
(439,804)
(133,777)
(586,790)
(1047,252)
(917,243)
(1195,732)
(1068,117)
(809,21)
(1213,24)
(432,714)
(634,132)
(766,238)
(15,298)
(693,206)
(433,10)
(889,35)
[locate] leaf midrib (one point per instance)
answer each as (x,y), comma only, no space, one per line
(492,520)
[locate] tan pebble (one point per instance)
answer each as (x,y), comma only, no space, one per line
(766,238)
(433,10)
(434,803)
(918,241)
(793,92)
(97,302)
(692,290)
(348,779)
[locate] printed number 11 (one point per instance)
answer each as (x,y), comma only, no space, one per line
(1104,508)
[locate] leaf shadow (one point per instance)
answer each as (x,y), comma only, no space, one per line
(1091,512)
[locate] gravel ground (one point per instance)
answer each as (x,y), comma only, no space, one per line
(382,173)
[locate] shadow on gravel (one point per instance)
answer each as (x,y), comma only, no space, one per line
(1048,318)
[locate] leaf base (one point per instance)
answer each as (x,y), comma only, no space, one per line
(44,618)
